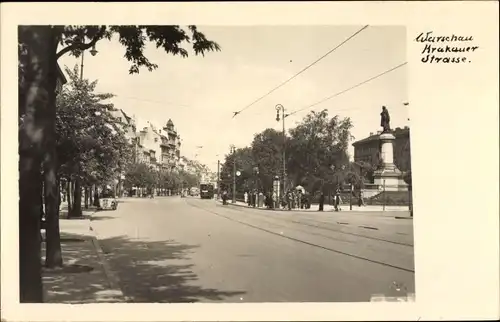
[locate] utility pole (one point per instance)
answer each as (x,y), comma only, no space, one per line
(281,108)
(350,197)
(81,66)
(93,52)
(233,148)
(218,179)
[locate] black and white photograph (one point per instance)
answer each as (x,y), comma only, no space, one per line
(224,164)
(218,162)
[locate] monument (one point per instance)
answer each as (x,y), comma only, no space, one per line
(387,174)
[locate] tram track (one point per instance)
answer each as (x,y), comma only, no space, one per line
(327,228)
(302,241)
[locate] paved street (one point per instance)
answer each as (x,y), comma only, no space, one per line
(191,250)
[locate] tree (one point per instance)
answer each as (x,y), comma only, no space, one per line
(140,175)
(319,148)
(187,179)
(267,150)
(35,123)
(37,111)
(244,163)
(91,142)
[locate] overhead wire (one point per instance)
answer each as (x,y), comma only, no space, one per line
(348,89)
(300,72)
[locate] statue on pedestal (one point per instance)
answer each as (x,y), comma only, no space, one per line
(385,120)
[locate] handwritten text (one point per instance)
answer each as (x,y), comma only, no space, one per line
(446,49)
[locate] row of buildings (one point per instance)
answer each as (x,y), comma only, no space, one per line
(159,147)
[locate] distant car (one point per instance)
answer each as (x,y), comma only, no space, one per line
(108,201)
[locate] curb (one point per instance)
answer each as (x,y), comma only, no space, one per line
(113,280)
(265,209)
(313,211)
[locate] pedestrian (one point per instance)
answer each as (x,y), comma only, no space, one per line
(361,202)
(261,199)
(224,197)
(290,200)
(275,200)
(299,200)
(321,201)
(255,196)
(337,200)
(245,196)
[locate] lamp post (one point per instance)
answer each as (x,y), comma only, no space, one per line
(218,178)
(233,152)
(93,52)
(281,108)
(256,177)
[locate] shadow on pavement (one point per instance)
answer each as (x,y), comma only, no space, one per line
(148,272)
(81,279)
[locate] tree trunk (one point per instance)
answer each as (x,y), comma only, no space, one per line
(30,189)
(42,209)
(72,195)
(91,195)
(119,186)
(35,113)
(68,195)
(77,201)
(53,256)
(96,196)
(86,197)
(61,195)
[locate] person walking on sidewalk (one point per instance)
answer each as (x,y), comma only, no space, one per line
(337,200)
(245,196)
(321,201)
(361,202)
(289,199)
(224,197)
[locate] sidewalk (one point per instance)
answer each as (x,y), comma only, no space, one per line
(390,210)
(85,276)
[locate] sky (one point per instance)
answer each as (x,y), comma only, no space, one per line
(200,93)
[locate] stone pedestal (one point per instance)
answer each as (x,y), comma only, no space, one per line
(388,173)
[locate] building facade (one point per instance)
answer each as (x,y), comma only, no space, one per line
(61,80)
(368,149)
(154,146)
(160,148)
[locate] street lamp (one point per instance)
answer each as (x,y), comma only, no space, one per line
(93,52)
(233,152)
(256,177)
(281,108)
